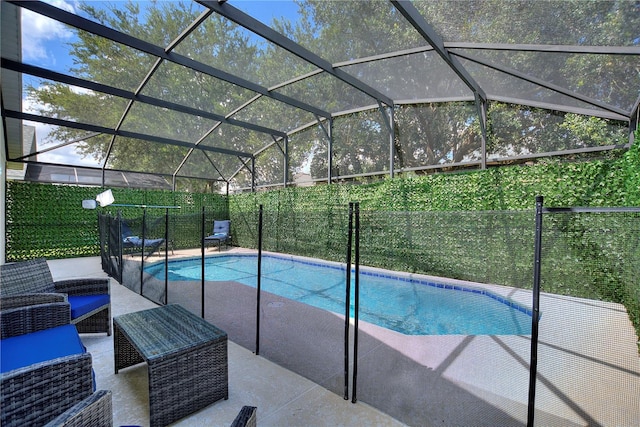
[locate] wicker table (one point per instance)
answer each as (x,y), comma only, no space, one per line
(186,356)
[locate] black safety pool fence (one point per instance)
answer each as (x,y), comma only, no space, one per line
(456,318)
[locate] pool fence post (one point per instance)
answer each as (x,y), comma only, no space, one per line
(533,365)
(144,226)
(202,235)
(166,256)
(347,304)
(356,302)
(120,249)
(258,285)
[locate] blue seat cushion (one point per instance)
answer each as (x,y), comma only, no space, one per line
(24,350)
(137,241)
(217,236)
(83,304)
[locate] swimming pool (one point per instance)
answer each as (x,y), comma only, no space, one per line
(407,304)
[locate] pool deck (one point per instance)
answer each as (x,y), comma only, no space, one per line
(588,367)
(283,398)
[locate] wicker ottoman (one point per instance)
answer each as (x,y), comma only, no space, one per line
(186,356)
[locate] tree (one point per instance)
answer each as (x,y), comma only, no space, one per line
(439,133)
(426,133)
(107,62)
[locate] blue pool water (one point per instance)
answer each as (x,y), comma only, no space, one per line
(407,305)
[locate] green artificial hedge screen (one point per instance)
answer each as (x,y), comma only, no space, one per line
(48,220)
(475,225)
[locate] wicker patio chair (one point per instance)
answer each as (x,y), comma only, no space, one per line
(94,411)
(38,392)
(23,314)
(246,417)
(89,298)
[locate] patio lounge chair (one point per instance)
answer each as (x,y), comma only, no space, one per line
(89,298)
(134,243)
(45,371)
(220,233)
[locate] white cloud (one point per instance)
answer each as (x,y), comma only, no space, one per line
(42,43)
(81,90)
(63,155)
(67,156)
(42,129)
(37,30)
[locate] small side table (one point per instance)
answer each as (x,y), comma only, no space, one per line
(186,356)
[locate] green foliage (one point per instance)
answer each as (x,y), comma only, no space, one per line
(597,183)
(474,225)
(48,220)
(424,134)
(631,167)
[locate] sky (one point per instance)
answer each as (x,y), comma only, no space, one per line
(266,10)
(45,44)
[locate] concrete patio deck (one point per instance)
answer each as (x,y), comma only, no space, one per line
(283,398)
(588,368)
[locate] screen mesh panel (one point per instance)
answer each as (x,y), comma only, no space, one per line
(164,162)
(525,131)
(60,144)
(370,28)
(241,180)
(436,134)
(136,64)
(327,93)
(424,76)
(589,285)
(503,86)
(274,114)
(361,144)
(235,138)
(609,78)
(270,166)
(80,105)
(308,152)
(216,44)
(136,180)
(167,123)
(543,22)
(175,83)
(159,32)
